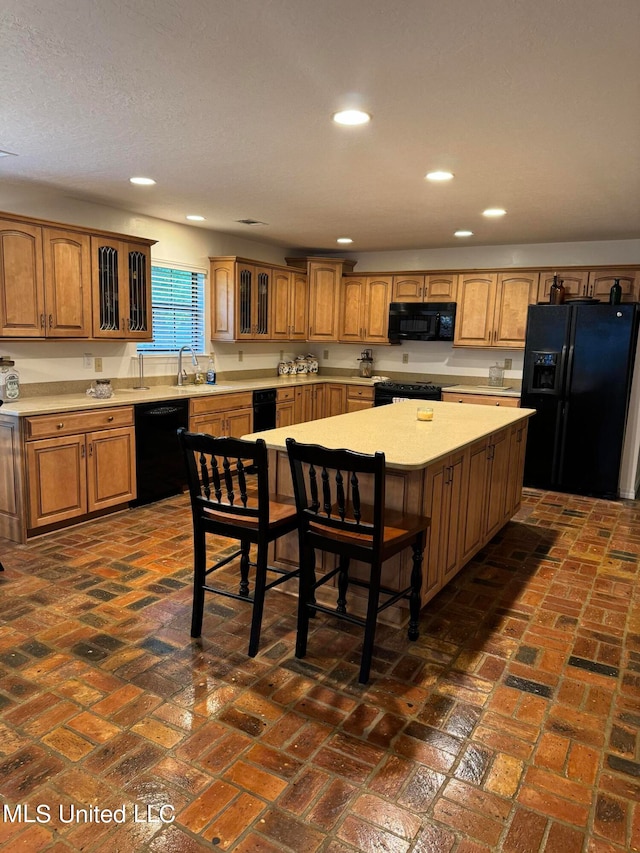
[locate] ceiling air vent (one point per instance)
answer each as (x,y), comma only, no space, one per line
(250,222)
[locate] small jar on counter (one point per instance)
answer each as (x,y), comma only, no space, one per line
(9,380)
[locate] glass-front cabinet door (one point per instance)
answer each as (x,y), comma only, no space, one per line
(121,289)
(253,288)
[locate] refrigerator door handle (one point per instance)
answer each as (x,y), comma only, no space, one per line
(560,443)
(566,361)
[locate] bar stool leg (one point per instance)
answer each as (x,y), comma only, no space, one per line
(343,584)
(370,624)
(416,585)
(199,578)
(258,599)
(244,568)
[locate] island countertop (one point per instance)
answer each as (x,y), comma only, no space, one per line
(408,444)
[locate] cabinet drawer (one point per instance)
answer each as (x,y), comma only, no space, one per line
(480,399)
(285,394)
(68,423)
(221,403)
(360,392)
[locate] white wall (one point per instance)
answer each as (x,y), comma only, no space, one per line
(494,257)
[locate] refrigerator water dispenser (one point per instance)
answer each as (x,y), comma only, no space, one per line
(545,371)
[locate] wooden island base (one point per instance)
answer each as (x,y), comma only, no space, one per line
(464,470)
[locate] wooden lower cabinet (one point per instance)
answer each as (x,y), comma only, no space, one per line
(480,399)
(359,397)
(444,492)
(72,475)
(335,399)
(469,496)
(222,414)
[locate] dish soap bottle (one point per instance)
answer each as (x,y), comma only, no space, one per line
(211,372)
(556,292)
(615,294)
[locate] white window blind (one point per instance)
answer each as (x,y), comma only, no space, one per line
(177,302)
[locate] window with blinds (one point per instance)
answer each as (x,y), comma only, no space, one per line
(177,302)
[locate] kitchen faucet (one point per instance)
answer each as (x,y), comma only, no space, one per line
(182,374)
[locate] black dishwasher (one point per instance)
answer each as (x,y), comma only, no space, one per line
(160,468)
(264,410)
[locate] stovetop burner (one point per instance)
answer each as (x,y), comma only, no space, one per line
(392,392)
(408,386)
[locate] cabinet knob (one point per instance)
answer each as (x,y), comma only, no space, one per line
(110,418)
(60,425)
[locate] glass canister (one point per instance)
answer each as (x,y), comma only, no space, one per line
(496,376)
(101,389)
(9,380)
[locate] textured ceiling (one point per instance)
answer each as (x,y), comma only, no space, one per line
(535,106)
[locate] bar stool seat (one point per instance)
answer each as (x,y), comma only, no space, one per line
(229,488)
(329,486)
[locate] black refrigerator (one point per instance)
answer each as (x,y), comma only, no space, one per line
(578,363)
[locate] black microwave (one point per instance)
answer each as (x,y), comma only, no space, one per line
(421,321)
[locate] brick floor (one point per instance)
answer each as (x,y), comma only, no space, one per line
(512,724)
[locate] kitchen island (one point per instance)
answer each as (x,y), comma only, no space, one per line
(463,469)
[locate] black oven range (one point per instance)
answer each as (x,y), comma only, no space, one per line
(393,392)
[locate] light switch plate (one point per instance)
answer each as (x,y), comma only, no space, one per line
(405,358)
(87,361)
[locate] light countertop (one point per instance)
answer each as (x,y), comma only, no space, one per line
(406,442)
(43,405)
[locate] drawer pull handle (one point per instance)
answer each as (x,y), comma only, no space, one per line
(110,418)
(60,425)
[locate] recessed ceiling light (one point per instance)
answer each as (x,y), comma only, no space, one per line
(344,240)
(463,234)
(494,211)
(194,217)
(439,176)
(351,117)
(142,182)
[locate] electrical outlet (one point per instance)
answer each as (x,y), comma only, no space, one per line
(325,354)
(98,365)
(240,355)
(508,362)
(281,355)
(405,358)
(87,361)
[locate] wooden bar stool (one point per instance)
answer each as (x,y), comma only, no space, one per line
(334,518)
(229,488)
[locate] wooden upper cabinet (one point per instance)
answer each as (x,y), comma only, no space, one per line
(253,286)
(575,283)
(352,300)
(59,281)
(67,280)
(436,287)
(407,288)
(600,283)
(222,298)
(442,287)
(22,312)
(515,292)
(492,308)
(121,289)
(325,277)
(289,300)
(476,304)
(364,309)
(376,309)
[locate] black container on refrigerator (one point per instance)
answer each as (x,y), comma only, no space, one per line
(578,365)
